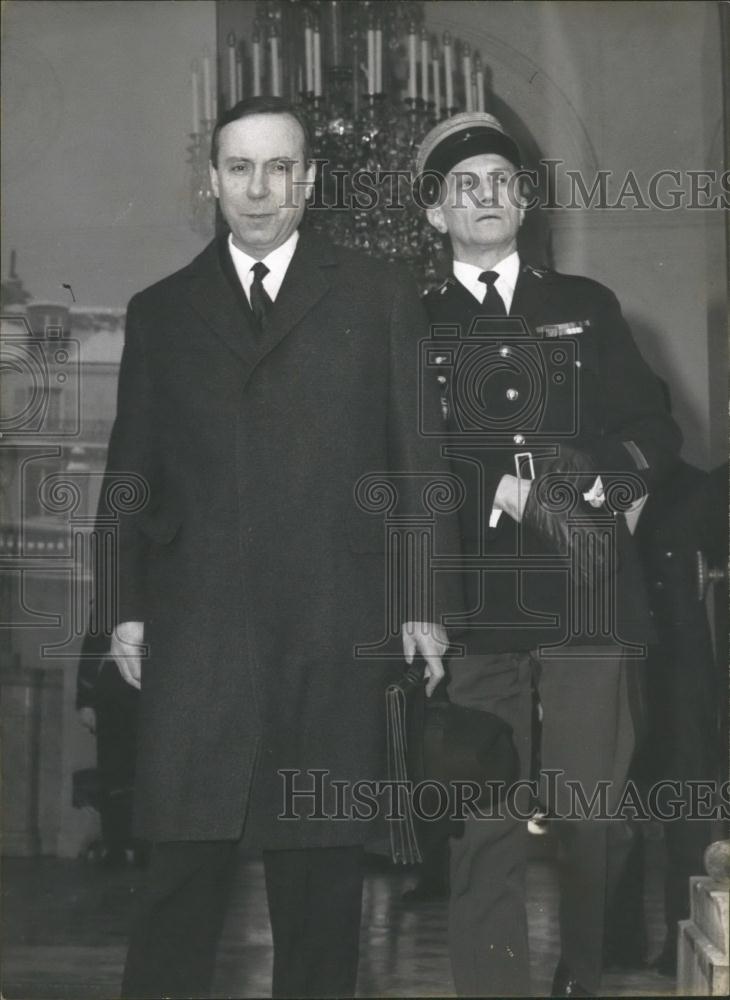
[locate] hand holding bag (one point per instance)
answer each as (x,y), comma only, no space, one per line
(433,740)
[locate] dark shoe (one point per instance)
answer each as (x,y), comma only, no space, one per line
(564,985)
(141,853)
(424,894)
(666,963)
(624,961)
(116,857)
(620,961)
(625,956)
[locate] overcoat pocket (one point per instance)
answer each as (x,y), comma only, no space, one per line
(159,525)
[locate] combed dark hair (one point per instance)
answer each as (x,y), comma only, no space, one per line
(261,106)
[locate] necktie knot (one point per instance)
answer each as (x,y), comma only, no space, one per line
(493,302)
(259,270)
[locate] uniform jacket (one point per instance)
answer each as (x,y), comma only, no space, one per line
(253,568)
(561,370)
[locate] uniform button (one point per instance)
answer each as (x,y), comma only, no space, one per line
(441,379)
(440,360)
(659,585)
(668,555)
(505,352)
(518,439)
(512,394)
(577,364)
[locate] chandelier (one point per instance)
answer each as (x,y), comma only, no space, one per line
(372,81)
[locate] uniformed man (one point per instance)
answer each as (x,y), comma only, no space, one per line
(543,386)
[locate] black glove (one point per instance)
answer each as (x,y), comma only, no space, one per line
(556,512)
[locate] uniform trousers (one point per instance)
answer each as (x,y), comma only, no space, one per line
(587,733)
(314,897)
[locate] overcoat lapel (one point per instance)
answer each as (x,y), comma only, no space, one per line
(221,302)
(216,297)
(308,277)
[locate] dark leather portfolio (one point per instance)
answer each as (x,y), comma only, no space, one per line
(434,744)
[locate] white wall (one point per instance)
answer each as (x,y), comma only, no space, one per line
(96,111)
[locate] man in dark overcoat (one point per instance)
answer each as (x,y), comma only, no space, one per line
(258,385)
(541,384)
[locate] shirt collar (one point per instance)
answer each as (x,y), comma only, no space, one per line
(508,270)
(277,262)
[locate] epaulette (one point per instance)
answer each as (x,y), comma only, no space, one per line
(446,285)
(538,272)
(438,289)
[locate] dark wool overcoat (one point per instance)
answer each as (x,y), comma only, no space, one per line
(254,570)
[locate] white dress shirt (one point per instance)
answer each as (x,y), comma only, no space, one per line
(507,269)
(277,262)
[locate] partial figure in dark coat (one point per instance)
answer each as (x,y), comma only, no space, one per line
(682,527)
(258,385)
(108,708)
(558,429)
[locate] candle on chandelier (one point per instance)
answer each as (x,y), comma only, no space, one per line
(196,97)
(435,66)
(479,78)
(412,62)
(256,60)
(317,60)
(308,54)
(378,58)
(424,65)
(371,59)
(356,76)
(448,73)
(207,89)
(336,32)
(275,78)
(239,77)
(466,68)
(231,68)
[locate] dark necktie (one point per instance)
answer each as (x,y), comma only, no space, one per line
(493,301)
(261,304)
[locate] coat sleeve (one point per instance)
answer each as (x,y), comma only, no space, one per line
(424,477)
(130,469)
(637,434)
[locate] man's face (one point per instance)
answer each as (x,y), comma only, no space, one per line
(262,180)
(480,209)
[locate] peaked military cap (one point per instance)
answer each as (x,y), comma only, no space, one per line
(461,136)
